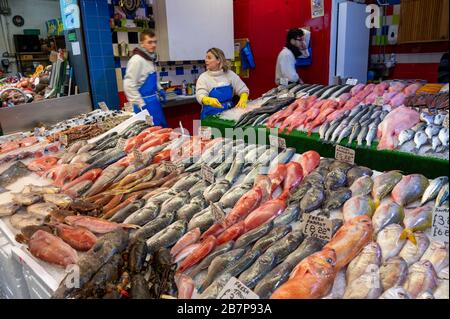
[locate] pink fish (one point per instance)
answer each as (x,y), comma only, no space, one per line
(189,238)
(266,212)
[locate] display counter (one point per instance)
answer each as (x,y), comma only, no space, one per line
(27,116)
(379,160)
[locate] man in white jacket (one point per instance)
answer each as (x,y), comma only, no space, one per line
(141,83)
(296,46)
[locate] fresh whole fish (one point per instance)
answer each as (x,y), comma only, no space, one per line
(412,252)
(171,205)
(230,198)
(393,272)
(95,225)
(367,286)
(409,189)
(197,255)
(290,214)
(143,215)
(405,136)
(390,242)
(443,137)
(442,196)
(42,209)
(258,270)
(386,214)
(219,265)
(52,249)
(61,200)
(253,235)
(362,186)
(22,220)
(335,199)
(121,215)
(167,237)
(383,184)
(26,198)
(48,189)
(419,219)
(356,128)
(312,200)
(215,288)
(204,264)
(273,236)
(368,260)
(427,118)
(203,219)
(433,189)
(371,134)
(186,183)
(358,205)
(106,178)
(9,209)
(138,253)
(432,130)
(78,238)
(420,139)
(153,227)
(437,254)
(12,174)
(421,278)
(362,134)
(439,119)
(395,293)
(350,239)
(356,172)
(312,278)
(280,273)
(335,179)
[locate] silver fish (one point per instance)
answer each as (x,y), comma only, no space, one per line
(427,118)
(173,204)
(419,126)
(405,136)
(144,215)
(432,130)
(230,198)
(332,128)
(439,119)
(372,133)
(443,136)
(442,197)
(362,135)
(193,271)
(420,139)
(167,237)
(322,130)
(433,189)
(344,133)
(184,184)
(435,143)
(389,240)
(354,134)
(411,252)
(9,209)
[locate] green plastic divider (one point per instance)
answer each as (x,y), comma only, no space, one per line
(378,160)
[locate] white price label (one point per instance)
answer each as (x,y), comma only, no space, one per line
(345,154)
(103,106)
(445,123)
(317,226)
(439,230)
(218,212)
(208,174)
(379,101)
(276,141)
(205,132)
(148,120)
(352,82)
(234,289)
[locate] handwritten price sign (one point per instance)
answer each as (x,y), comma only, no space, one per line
(345,154)
(439,230)
(234,289)
(317,226)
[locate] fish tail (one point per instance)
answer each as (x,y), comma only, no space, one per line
(408,233)
(377,203)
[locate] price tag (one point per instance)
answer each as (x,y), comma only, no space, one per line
(103,106)
(128,107)
(121,143)
(317,226)
(379,101)
(445,123)
(276,141)
(235,289)
(205,132)
(148,120)
(64,140)
(218,212)
(439,230)
(352,82)
(345,154)
(208,174)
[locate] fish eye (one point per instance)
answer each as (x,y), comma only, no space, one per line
(329,260)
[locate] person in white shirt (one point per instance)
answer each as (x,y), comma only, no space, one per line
(141,83)
(216,87)
(296,46)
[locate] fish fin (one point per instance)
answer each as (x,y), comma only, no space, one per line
(20,238)
(377,203)
(408,233)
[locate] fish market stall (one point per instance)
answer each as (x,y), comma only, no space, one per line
(148,212)
(369,119)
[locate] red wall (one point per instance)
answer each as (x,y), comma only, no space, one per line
(265,23)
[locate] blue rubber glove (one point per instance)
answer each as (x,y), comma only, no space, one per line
(162,95)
